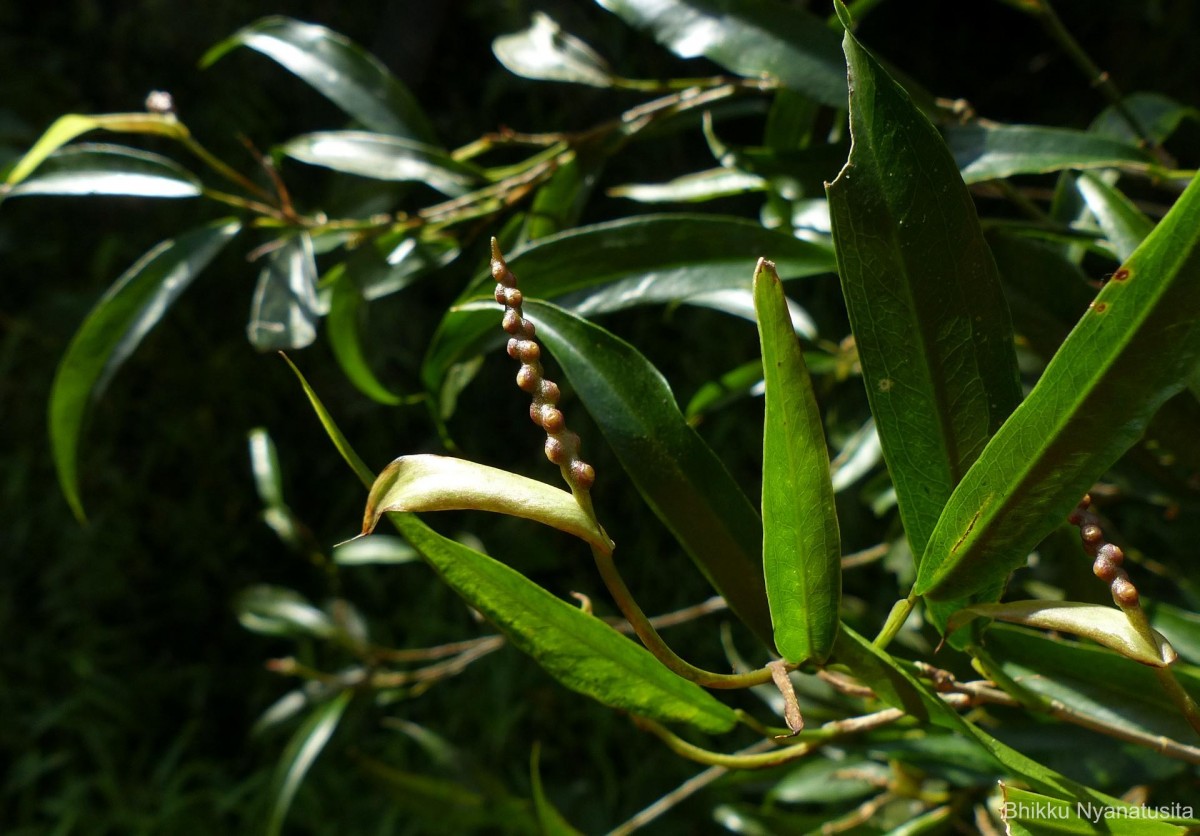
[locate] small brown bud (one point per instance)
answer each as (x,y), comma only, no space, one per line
(501,294)
(528,351)
(514,349)
(1125,593)
(513,297)
(500,273)
(1111,553)
(527,378)
(548,392)
(1091,535)
(551,419)
(512,322)
(556,451)
(1104,569)
(583,474)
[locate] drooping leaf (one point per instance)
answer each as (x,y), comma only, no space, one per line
(1136,346)
(923,294)
(990,151)
(364,473)
(649,259)
(285,307)
(440,483)
(894,685)
(91,169)
(343,326)
(692,188)
(544,52)
(336,67)
(384,157)
(112,331)
(579,650)
(276,611)
(681,478)
(801,545)
(748,37)
(67,128)
(1104,625)
(300,754)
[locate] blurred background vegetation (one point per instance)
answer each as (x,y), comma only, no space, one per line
(127,687)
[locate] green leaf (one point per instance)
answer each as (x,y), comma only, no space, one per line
(67,128)
(90,169)
(440,483)
(1160,115)
(1136,346)
(384,157)
(1104,625)
(692,188)
(801,544)
(749,37)
(114,329)
(681,478)
(364,473)
(991,151)
(343,327)
(1124,225)
(264,464)
(285,307)
(578,649)
(544,52)
(1027,813)
(923,294)
(377,549)
(895,686)
(276,611)
(337,68)
(550,821)
(648,259)
(735,384)
(302,751)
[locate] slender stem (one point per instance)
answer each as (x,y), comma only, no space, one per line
(654,642)
(1182,699)
(1028,698)
(895,620)
(812,741)
(242,203)
(224,169)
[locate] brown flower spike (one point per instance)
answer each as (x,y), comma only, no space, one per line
(562,445)
(1109,557)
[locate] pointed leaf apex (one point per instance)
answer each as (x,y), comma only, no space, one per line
(843,15)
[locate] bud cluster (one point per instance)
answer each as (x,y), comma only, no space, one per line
(1108,556)
(562,445)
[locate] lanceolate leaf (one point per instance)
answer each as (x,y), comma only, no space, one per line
(301,753)
(343,326)
(90,169)
(66,128)
(748,37)
(681,478)
(1134,348)
(692,188)
(990,151)
(285,307)
(123,316)
(546,53)
(339,69)
(649,259)
(1124,225)
(801,546)
(440,483)
(577,649)
(923,293)
(384,158)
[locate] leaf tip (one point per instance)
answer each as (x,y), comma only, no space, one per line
(843,15)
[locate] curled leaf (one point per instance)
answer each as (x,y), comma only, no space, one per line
(1103,625)
(440,483)
(546,53)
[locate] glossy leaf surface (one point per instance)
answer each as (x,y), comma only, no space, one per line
(545,52)
(801,544)
(347,309)
(384,157)
(681,478)
(929,319)
(990,151)
(748,37)
(301,753)
(649,259)
(114,329)
(285,308)
(276,611)
(692,188)
(1123,223)
(91,169)
(336,67)
(1134,348)
(578,649)
(440,483)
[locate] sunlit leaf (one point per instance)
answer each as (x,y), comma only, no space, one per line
(1135,347)
(1124,225)
(384,157)
(275,611)
(681,478)
(301,753)
(285,307)
(336,67)
(114,329)
(1104,625)
(377,549)
(991,151)
(546,53)
(692,188)
(748,37)
(440,483)
(801,546)
(92,169)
